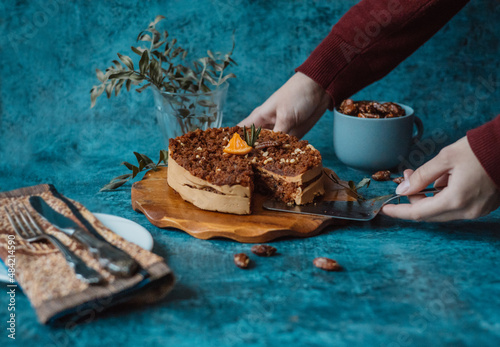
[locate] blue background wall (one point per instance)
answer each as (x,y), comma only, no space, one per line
(50,50)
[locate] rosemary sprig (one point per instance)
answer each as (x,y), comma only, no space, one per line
(254,134)
(145,163)
(351,186)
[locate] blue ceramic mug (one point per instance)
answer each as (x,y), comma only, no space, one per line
(375,144)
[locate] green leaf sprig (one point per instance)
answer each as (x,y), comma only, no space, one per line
(351,186)
(162,64)
(251,138)
(145,163)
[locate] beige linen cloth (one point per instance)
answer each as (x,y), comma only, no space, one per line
(50,283)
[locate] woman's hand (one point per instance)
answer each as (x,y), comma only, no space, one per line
(293,109)
(468,191)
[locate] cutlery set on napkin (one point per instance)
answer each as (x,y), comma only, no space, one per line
(111,258)
(85,268)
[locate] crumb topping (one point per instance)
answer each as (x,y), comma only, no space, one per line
(288,156)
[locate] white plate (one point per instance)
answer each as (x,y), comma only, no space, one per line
(129,230)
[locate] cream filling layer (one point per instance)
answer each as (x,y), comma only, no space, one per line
(307,195)
(301,195)
(299,179)
(230,199)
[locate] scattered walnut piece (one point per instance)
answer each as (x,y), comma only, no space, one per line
(266,144)
(347,107)
(384,175)
(327,264)
(263,250)
(371,109)
(394,109)
(241,260)
(398,180)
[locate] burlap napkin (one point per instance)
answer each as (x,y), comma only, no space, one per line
(50,283)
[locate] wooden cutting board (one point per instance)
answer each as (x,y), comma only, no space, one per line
(166,209)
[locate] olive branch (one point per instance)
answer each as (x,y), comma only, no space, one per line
(145,163)
(162,64)
(351,186)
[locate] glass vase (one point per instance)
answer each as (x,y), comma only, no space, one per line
(179,113)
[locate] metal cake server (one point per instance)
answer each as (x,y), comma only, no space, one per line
(361,210)
(113,259)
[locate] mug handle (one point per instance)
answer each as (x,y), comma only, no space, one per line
(420,129)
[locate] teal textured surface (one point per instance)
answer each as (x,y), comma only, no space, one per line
(404,284)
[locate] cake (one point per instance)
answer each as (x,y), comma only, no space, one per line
(279,165)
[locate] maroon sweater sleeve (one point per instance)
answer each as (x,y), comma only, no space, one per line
(485,143)
(371,39)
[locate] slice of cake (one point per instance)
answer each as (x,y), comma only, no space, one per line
(279,165)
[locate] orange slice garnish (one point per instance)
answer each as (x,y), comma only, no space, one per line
(237,146)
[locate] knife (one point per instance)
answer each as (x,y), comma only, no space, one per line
(113,259)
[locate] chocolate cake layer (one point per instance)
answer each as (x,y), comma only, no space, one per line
(281,166)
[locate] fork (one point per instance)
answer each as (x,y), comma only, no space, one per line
(28,229)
